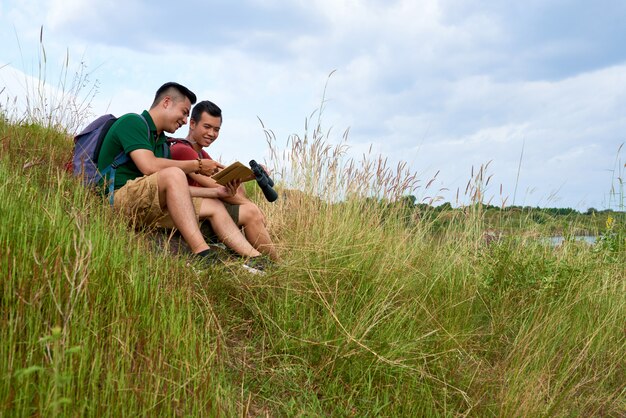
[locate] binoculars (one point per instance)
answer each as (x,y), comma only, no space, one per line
(264,181)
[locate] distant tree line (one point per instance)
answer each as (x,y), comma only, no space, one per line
(407,207)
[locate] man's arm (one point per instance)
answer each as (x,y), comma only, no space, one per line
(207,182)
(184,152)
(147,163)
(219,192)
(203,181)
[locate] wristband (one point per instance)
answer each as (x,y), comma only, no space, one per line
(199,170)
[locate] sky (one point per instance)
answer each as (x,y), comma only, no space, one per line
(534,89)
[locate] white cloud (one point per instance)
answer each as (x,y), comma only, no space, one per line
(63,12)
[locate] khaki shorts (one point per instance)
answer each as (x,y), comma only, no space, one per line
(138,200)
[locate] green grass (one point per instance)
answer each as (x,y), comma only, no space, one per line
(368,315)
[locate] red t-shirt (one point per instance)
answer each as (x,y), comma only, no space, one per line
(182,150)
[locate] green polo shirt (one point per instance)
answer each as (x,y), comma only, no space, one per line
(128,134)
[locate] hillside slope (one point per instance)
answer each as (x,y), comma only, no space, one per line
(367,316)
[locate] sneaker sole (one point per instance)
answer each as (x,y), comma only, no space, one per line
(252,270)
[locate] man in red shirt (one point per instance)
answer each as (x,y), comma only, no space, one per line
(204,128)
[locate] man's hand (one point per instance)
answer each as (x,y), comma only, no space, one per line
(229,190)
(209,167)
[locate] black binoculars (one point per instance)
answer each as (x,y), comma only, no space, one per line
(264,181)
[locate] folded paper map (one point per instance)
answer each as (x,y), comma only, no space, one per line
(235,171)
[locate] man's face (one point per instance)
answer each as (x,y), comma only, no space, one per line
(177,113)
(206,130)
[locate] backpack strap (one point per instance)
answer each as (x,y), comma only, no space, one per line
(173,141)
(121,159)
(166,149)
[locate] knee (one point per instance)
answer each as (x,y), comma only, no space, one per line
(250,213)
(172,177)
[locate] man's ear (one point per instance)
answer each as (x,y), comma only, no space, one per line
(167,100)
(192,124)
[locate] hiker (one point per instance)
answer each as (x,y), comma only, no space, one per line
(204,129)
(152,189)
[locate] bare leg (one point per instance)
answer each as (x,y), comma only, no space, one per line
(253,221)
(225,228)
(174,195)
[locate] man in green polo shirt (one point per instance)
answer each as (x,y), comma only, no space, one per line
(152,189)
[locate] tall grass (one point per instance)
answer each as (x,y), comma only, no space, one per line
(90,326)
(377,310)
(617,196)
(57,96)
(440,323)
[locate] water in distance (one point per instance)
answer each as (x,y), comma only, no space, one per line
(558,240)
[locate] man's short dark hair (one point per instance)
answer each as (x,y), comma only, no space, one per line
(208,107)
(175,91)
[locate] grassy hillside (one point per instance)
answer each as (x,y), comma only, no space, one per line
(368,315)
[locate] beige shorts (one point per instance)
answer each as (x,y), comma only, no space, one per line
(138,200)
